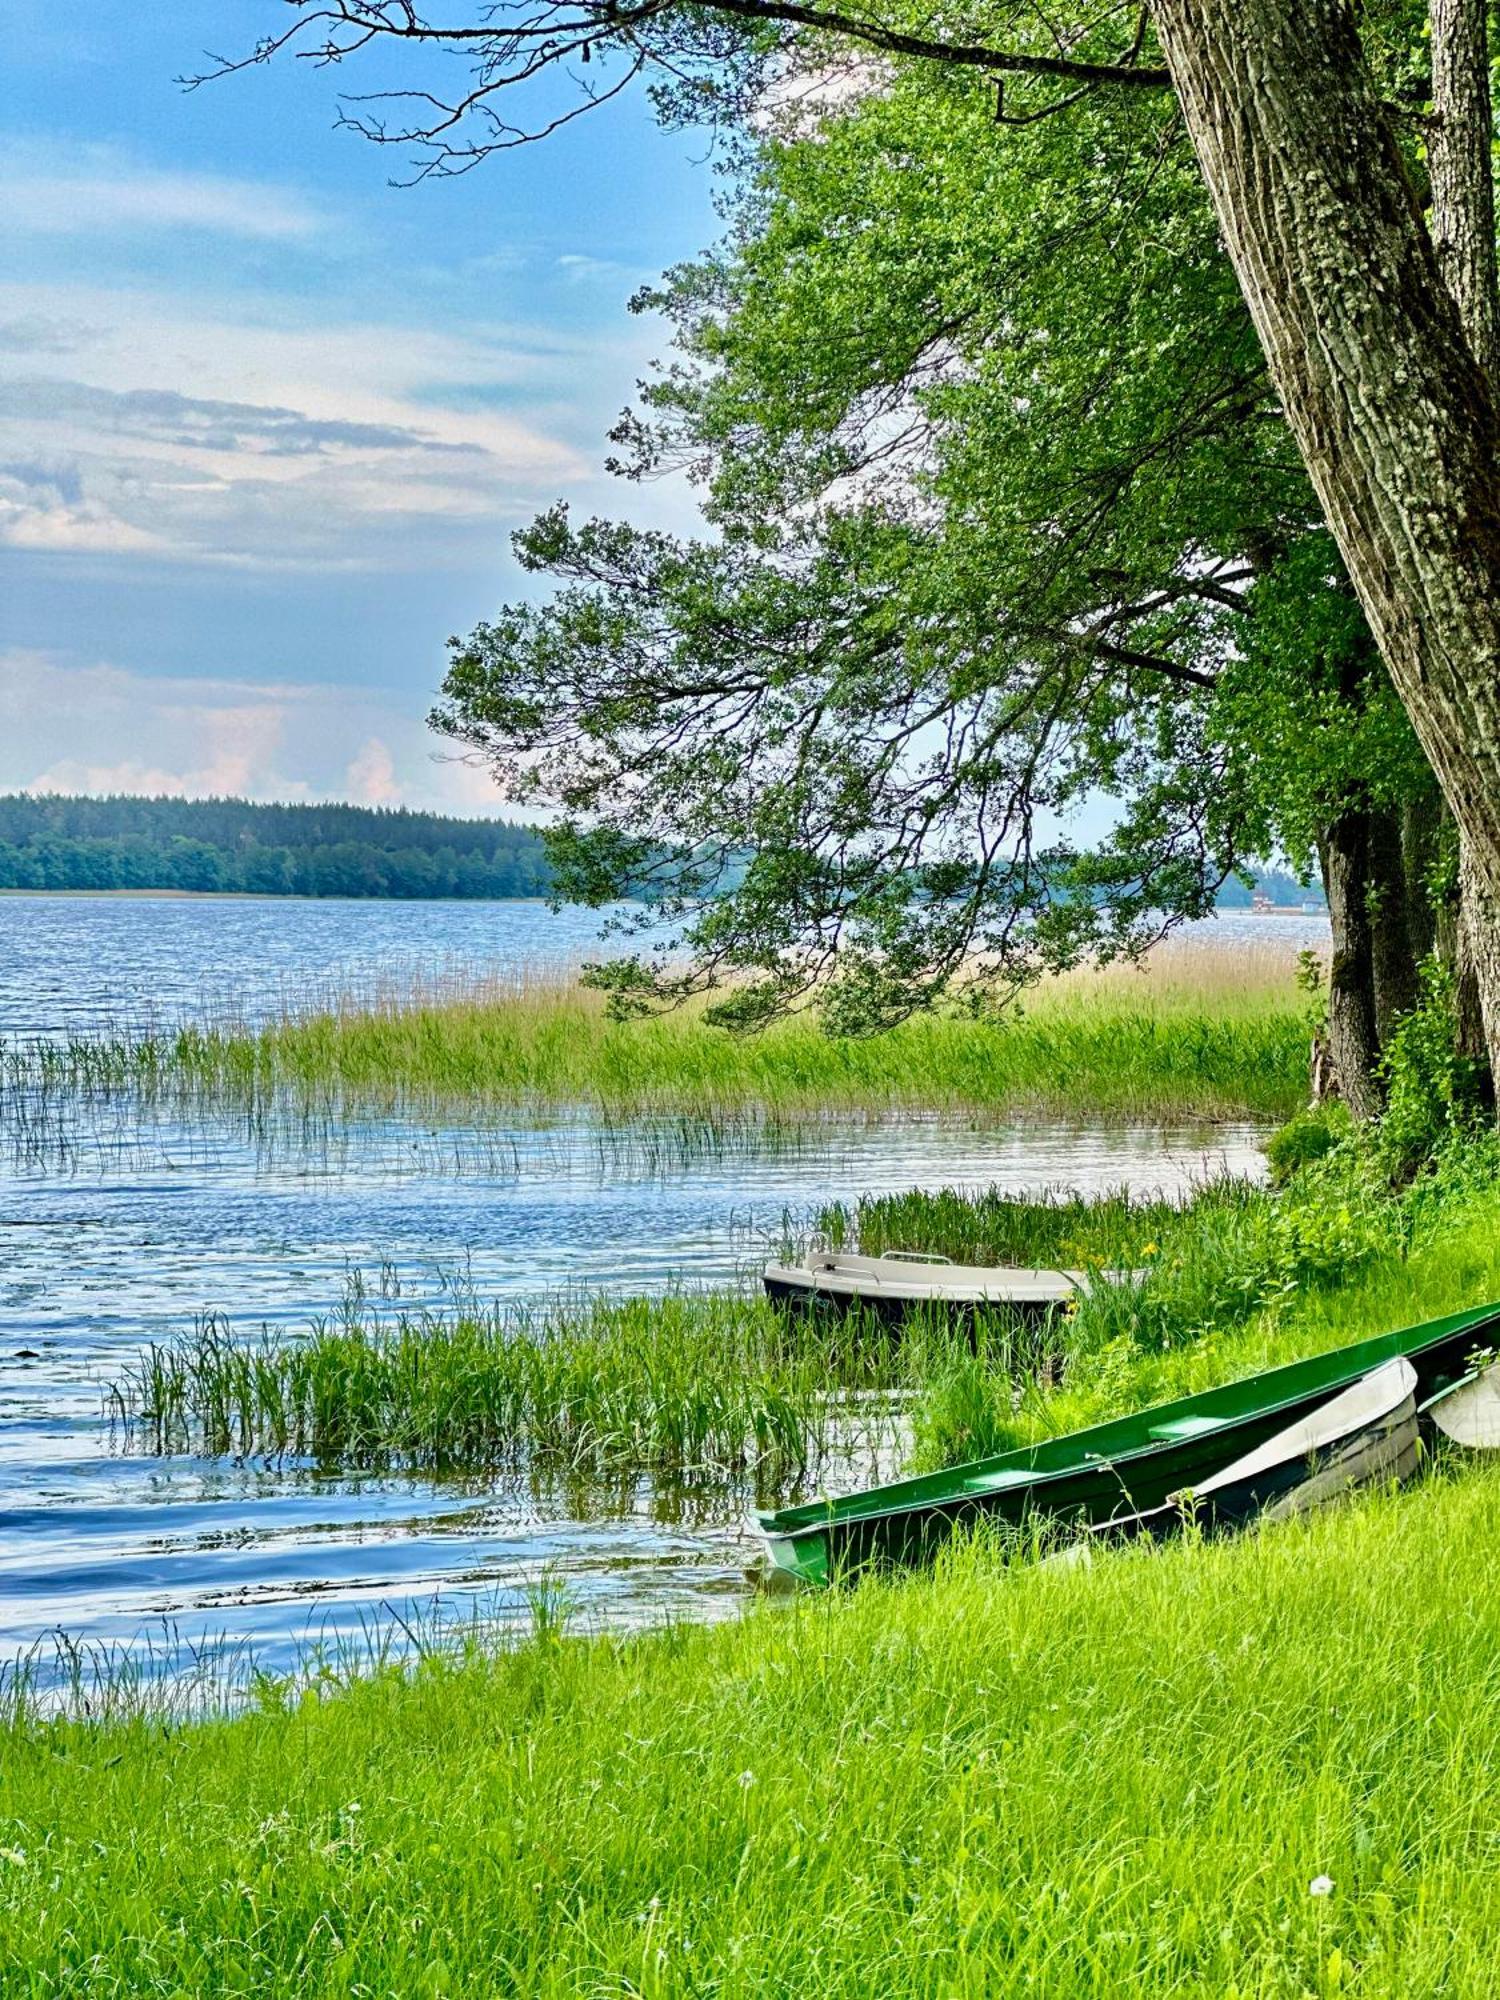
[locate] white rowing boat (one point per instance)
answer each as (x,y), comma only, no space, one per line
(894,1284)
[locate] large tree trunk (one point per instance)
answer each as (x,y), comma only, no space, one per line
(1459,161)
(1459,157)
(1391,410)
(1353,1037)
(1393,962)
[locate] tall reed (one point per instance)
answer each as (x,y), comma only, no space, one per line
(688,1386)
(1178,1043)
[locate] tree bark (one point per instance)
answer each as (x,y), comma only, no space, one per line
(1353,1039)
(1476,962)
(1393,962)
(1391,410)
(1420,819)
(1463,232)
(1459,161)
(1453,948)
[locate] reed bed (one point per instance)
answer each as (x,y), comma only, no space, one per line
(589,1392)
(1233,1280)
(1193,1034)
(689,1386)
(1062,1228)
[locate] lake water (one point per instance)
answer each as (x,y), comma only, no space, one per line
(123,1222)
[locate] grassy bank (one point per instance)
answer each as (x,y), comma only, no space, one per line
(1237,1280)
(1253,1768)
(1193,1035)
(1125,1780)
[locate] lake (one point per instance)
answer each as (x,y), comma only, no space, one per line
(120,1222)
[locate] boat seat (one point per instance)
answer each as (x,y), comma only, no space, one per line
(991,1482)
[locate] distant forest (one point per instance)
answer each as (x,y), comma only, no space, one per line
(273,850)
(55,842)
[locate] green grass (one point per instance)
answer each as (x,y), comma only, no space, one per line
(1116,1229)
(1239,1280)
(1117,1780)
(1188,1040)
(592,1395)
(700,1386)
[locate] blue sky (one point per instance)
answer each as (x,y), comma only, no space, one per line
(266,422)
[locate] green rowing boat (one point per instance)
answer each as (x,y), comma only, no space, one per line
(1128,1465)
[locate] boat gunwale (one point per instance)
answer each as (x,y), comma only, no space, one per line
(814,1516)
(920,1281)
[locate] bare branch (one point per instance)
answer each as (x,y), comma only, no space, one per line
(514,41)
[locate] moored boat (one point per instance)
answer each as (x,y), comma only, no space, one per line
(1467,1412)
(1365,1433)
(902,1281)
(1128,1465)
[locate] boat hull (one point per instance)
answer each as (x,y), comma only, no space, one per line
(892,1287)
(1468,1414)
(1367,1433)
(1129,1466)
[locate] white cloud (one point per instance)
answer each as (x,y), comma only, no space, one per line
(100,191)
(39,520)
(97,727)
(370,779)
(256,440)
(581,270)
(40,335)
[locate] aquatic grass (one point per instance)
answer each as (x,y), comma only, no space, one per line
(702,1385)
(1255,1768)
(589,1391)
(1184,1038)
(1117,1229)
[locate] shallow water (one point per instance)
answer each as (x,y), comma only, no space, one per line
(141,1218)
(74,964)
(71,964)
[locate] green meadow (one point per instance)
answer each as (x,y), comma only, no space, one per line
(1255,1768)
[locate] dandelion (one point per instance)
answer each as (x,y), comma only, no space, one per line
(747,1779)
(14,1856)
(1148,1249)
(1320,1885)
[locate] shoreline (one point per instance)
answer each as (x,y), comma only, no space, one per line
(168,895)
(242,896)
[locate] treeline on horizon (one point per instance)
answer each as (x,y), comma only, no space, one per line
(53,841)
(232,845)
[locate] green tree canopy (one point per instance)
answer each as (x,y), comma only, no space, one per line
(1005,516)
